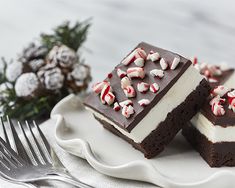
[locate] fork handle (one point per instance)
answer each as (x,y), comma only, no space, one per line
(69,180)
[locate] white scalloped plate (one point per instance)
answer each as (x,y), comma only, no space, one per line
(178,166)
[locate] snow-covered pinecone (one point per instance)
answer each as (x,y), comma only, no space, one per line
(27,85)
(33,51)
(15,69)
(34,56)
(79,78)
(62,55)
(51,77)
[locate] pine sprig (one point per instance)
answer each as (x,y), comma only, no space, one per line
(72,36)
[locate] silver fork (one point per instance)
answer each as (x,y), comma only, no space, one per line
(39,159)
(14,144)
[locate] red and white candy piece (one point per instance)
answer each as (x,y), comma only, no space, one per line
(97,88)
(139,62)
(217,109)
(125,81)
(142,87)
(214,70)
(231,100)
(217,100)
(129,92)
(116,106)
(106,89)
(175,63)
(135,72)
(153,56)
(121,73)
(140,53)
(129,59)
(109,98)
(220,90)
(195,61)
(127,111)
(164,64)
(143,102)
(137,53)
(213,80)
(154,87)
(158,73)
(126,103)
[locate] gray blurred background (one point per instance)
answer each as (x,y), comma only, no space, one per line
(192,28)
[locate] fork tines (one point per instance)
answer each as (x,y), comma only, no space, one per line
(30,143)
(8,157)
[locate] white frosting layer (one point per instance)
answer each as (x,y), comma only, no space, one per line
(186,84)
(212,132)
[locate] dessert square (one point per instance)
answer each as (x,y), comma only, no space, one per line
(148,97)
(212,132)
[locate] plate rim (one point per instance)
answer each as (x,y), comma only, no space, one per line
(84,151)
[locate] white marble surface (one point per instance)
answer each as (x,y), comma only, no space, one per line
(189,27)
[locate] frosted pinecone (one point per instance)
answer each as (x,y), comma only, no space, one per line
(79,77)
(51,77)
(62,55)
(33,51)
(36,64)
(27,85)
(15,69)
(34,56)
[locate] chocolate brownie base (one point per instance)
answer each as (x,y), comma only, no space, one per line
(215,154)
(156,141)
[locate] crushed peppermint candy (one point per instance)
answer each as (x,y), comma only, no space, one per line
(153,56)
(142,87)
(110,75)
(139,62)
(127,111)
(216,106)
(217,100)
(137,53)
(218,109)
(175,63)
(126,103)
(109,98)
(26,85)
(116,106)
(125,81)
(164,64)
(213,80)
(157,73)
(143,102)
(135,72)
(220,90)
(106,89)
(121,73)
(231,100)
(129,92)
(154,87)
(97,88)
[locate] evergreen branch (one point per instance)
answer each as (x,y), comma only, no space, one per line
(72,37)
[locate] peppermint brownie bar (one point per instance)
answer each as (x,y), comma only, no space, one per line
(148,98)
(211,132)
